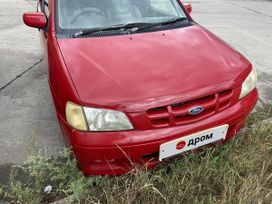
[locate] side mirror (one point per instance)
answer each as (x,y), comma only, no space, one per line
(35,19)
(188,8)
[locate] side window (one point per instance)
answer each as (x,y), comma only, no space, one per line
(45,7)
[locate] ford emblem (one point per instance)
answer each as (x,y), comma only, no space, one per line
(196,110)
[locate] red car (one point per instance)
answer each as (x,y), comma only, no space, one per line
(139,81)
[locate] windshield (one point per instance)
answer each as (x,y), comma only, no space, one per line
(90,14)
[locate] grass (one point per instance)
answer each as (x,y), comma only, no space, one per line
(238,172)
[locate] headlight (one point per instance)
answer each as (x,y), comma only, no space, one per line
(106,120)
(249,84)
(95,119)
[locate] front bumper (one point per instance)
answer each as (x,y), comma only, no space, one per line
(115,153)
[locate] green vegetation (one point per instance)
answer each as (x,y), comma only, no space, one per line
(238,172)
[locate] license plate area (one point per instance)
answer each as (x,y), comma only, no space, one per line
(192,141)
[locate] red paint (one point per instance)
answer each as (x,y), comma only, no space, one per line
(35,19)
(188,8)
(155,72)
(149,71)
(180,145)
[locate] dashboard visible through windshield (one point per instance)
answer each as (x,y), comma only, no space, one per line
(76,15)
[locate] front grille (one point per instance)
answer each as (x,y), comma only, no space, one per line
(178,114)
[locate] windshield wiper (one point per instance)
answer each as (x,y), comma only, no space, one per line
(171,21)
(114,27)
(135,27)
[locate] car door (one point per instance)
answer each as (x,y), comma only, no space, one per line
(44,6)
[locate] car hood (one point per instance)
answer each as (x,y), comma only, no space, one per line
(141,71)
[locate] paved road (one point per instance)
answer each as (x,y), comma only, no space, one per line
(25,101)
(27,113)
